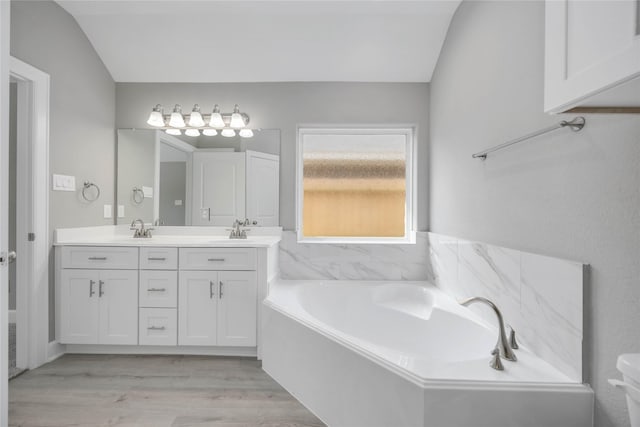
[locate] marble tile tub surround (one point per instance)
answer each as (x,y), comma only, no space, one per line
(540,296)
(354,261)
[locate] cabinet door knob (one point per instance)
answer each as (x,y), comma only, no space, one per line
(100,290)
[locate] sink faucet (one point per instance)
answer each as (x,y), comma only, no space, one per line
(140,232)
(503,348)
(236,231)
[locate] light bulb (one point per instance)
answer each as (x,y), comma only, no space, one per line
(192,132)
(195,119)
(246,133)
(216,120)
(174,131)
(209,132)
(237,121)
(155,118)
(228,132)
(176,120)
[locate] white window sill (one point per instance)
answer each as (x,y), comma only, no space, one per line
(407,240)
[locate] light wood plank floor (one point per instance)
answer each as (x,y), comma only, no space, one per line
(154,391)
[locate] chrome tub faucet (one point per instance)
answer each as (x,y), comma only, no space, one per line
(503,347)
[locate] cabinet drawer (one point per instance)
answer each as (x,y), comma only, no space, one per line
(158,258)
(95,257)
(158,288)
(217,259)
(158,326)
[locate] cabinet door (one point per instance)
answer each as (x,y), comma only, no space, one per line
(197,307)
(218,188)
(591,46)
(158,288)
(263,188)
(118,294)
(79,307)
(237,295)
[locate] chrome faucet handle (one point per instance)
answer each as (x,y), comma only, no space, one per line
(512,339)
(495,362)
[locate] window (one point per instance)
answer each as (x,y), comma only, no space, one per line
(355,185)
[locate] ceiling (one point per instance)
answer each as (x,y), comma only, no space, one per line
(266,41)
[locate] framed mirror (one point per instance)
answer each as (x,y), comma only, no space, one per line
(155,178)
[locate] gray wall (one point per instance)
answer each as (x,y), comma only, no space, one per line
(82,109)
(286,105)
(573,196)
(173,186)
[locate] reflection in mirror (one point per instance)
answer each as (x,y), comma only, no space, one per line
(155,176)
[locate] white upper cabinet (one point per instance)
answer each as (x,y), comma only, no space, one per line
(592,55)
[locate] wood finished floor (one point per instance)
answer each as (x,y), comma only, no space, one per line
(154,391)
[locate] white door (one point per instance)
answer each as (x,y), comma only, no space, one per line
(197,307)
(237,308)
(263,188)
(118,293)
(79,309)
(218,188)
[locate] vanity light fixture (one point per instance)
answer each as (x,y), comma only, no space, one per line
(197,123)
(176,120)
(229,133)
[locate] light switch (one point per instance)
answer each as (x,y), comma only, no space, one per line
(204,214)
(63,182)
(177,202)
(120,211)
(148,192)
(108,211)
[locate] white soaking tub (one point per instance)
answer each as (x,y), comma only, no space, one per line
(405,354)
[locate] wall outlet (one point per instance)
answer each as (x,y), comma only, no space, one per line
(204,214)
(108,212)
(120,211)
(177,202)
(63,182)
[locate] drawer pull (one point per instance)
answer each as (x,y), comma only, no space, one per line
(100,290)
(216,259)
(157,259)
(210,289)
(157,289)
(220,290)
(156,328)
(91,291)
(97,258)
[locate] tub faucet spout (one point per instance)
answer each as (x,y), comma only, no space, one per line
(503,347)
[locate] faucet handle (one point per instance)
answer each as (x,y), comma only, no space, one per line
(512,339)
(495,362)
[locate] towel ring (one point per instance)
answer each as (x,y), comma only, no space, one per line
(85,187)
(138,195)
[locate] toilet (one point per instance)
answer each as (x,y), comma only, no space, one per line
(629,365)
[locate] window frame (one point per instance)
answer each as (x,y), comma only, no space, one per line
(410,134)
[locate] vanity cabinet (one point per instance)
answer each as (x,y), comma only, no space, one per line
(217,297)
(99,306)
(235,185)
(592,56)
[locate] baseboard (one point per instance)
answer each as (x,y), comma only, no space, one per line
(164,350)
(55,350)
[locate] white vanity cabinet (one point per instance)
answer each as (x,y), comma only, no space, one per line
(592,55)
(98,299)
(217,297)
(158,296)
(235,185)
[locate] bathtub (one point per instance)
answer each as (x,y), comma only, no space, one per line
(405,354)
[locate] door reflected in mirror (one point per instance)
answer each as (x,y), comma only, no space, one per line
(156,178)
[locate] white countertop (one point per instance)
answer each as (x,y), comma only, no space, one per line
(165,237)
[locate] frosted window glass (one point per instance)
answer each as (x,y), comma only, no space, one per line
(354,185)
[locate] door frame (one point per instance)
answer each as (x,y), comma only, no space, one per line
(32,203)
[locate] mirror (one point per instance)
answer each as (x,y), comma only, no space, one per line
(155,177)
